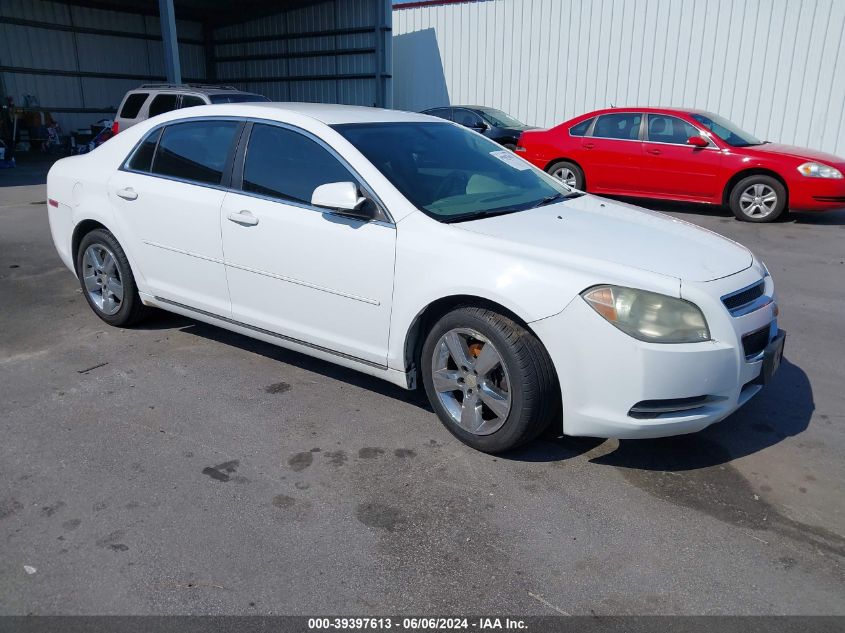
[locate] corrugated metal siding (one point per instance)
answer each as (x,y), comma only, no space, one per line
(40,48)
(325,16)
(775,67)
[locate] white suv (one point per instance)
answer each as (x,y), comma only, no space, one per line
(416,250)
(152,99)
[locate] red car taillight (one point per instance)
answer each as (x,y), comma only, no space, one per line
(53,203)
(115,127)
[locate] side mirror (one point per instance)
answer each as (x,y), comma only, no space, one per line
(697,141)
(343,197)
(480,126)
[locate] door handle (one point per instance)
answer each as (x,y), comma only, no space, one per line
(588,145)
(653,151)
(127,193)
(244,218)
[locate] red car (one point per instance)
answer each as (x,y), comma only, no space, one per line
(686,155)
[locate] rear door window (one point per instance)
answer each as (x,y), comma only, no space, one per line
(163,103)
(195,151)
(287,165)
(132,105)
(624,125)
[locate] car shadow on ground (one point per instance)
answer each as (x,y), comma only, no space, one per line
(161,320)
(782,409)
(824,218)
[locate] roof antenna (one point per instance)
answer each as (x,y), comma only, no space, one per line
(611,105)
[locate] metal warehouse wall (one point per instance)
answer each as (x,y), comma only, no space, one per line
(37,58)
(336,51)
(775,67)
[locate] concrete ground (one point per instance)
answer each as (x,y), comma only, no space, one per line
(178,468)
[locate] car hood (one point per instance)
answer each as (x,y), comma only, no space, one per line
(801,153)
(589,227)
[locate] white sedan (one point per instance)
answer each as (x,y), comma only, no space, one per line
(418,251)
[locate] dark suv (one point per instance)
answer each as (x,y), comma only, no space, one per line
(492,123)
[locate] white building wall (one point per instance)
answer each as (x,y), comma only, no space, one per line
(775,67)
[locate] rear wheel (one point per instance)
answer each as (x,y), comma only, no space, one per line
(107,281)
(758,198)
(569,173)
(489,380)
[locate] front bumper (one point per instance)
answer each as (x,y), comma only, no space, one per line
(604,373)
(816,194)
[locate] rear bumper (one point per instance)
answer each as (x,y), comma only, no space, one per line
(608,378)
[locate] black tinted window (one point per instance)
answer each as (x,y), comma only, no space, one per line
(443,113)
(163,103)
(288,165)
(132,105)
(467,118)
(623,125)
(189,101)
(142,159)
(581,128)
(195,151)
(669,129)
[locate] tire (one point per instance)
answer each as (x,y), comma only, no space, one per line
(100,248)
(758,198)
(523,374)
(569,173)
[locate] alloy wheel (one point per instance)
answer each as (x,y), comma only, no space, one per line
(758,201)
(471,381)
(102,279)
(566,175)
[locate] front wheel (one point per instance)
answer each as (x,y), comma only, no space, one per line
(569,173)
(489,380)
(107,281)
(758,198)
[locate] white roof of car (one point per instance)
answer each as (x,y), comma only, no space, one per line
(328,113)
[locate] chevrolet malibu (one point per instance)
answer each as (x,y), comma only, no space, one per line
(415,250)
(686,155)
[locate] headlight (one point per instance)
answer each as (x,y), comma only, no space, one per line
(649,316)
(818,170)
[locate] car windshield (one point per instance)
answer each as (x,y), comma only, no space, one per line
(451,173)
(726,130)
(500,119)
(236,97)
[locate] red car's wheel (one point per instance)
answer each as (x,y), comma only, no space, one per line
(569,173)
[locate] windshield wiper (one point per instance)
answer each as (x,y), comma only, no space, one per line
(557,197)
(477,215)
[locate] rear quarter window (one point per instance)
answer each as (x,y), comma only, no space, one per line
(142,159)
(132,105)
(580,129)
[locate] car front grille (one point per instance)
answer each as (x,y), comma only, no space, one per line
(755,342)
(736,301)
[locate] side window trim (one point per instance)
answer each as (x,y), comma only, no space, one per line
(233,170)
(227,166)
(238,171)
(646,139)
